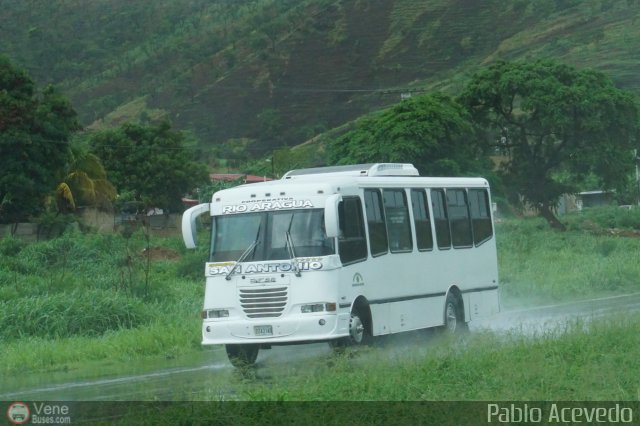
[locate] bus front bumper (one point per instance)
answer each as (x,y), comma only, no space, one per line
(301,328)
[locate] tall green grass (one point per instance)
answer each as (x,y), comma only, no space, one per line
(83,297)
(165,339)
(90,312)
(539,264)
(601,219)
(594,361)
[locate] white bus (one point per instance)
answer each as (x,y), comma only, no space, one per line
(341,254)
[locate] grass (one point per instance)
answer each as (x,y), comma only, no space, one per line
(87,297)
(541,265)
(159,339)
(397,384)
(594,362)
(81,299)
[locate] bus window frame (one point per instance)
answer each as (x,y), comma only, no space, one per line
(342,239)
(446,217)
(406,248)
(381,211)
(489,219)
(427,208)
(470,242)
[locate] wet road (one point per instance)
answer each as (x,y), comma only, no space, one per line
(208,375)
(549,318)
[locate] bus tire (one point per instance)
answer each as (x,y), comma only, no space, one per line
(242,355)
(453,315)
(358,332)
(357,329)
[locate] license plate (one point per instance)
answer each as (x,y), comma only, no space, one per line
(262,330)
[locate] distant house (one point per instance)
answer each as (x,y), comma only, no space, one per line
(596,198)
(237,176)
(189,202)
(226,177)
(577,202)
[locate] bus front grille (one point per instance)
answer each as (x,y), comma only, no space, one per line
(263,302)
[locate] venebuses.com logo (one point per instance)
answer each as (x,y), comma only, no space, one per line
(18,413)
(51,413)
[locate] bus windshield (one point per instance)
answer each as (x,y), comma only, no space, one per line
(232,235)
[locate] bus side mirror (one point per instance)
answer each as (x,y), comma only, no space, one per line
(331,223)
(189,223)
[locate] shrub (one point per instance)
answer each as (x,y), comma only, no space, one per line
(90,312)
(11,247)
(597,219)
(191,265)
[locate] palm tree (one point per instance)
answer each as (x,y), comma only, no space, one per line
(85,183)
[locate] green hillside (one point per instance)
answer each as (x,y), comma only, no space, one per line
(279,72)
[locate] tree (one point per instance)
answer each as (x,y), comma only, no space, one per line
(34,142)
(433,132)
(149,161)
(553,121)
(85,182)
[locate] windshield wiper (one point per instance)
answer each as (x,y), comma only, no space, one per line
(291,247)
(292,255)
(245,254)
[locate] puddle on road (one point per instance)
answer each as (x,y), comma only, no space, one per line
(148,379)
(557,318)
(205,375)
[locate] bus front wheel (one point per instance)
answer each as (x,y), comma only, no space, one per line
(358,332)
(356,329)
(242,355)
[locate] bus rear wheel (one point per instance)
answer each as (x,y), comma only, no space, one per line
(453,315)
(242,355)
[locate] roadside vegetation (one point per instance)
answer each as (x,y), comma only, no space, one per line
(593,363)
(575,363)
(87,298)
(597,255)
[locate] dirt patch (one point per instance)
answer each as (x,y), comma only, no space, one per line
(624,232)
(160,253)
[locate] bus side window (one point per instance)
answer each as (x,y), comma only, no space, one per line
(459,221)
(376,223)
(420,208)
(397,216)
(352,243)
(480,215)
(443,236)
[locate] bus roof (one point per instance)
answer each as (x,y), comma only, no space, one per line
(309,191)
(324,181)
(372,169)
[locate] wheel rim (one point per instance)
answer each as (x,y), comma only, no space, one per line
(356,329)
(452,317)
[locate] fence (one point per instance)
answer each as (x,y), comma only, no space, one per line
(160,225)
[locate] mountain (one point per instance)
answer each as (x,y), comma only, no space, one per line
(256,75)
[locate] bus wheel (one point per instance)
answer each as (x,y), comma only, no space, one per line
(242,355)
(358,333)
(453,315)
(357,330)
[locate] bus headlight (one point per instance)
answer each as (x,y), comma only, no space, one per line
(318,307)
(215,313)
